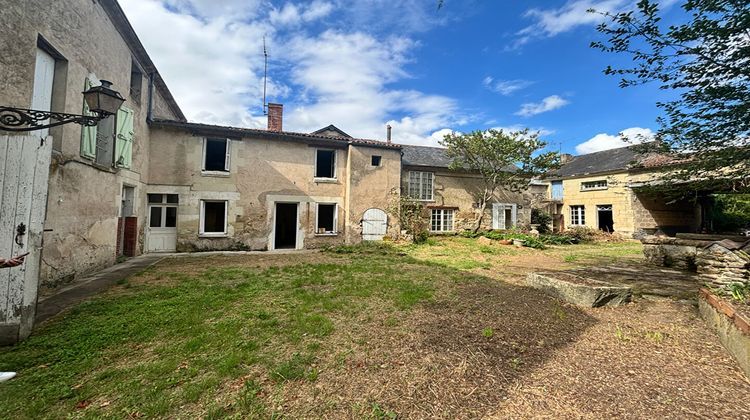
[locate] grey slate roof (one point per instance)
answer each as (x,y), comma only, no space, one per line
(432,157)
(424,156)
(604,161)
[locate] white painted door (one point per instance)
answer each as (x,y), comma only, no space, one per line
(374,225)
(161,234)
(24,170)
(44,73)
(504,215)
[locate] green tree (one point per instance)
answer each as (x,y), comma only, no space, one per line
(705,61)
(508,159)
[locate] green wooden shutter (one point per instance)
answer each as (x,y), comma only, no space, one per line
(88,134)
(125,137)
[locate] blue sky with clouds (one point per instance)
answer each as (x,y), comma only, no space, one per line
(362,64)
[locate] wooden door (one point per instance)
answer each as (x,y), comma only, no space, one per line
(374,225)
(24,172)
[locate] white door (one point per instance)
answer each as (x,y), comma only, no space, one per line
(41,97)
(162,223)
(374,225)
(24,170)
(504,215)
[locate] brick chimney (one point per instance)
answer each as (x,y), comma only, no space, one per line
(275,116)
(564,157)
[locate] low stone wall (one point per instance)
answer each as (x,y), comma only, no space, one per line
(732,327)
(723,263)
(720,263)
(672,252)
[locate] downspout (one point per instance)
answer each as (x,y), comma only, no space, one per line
(150,112)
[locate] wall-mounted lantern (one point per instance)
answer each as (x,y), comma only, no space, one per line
(102,100)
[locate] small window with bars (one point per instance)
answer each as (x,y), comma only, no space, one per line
(441,220)
(594,185)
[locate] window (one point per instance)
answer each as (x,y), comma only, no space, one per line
(375,160)
(594,185)
(325,163)
(110,142)
(557,190)
(216,155)
(162,211)
(326,219)
(441,220)
(213,218)
(136,82)
(420,185)
(577,215)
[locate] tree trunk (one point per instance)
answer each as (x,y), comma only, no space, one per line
(482,207)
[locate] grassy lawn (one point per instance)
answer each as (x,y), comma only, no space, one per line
(366,332)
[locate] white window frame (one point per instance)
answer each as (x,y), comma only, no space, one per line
(600,184)
(227,158)
(335,219)
(335,165)
(202,221)
(442,213)
(422,175)
(580,212)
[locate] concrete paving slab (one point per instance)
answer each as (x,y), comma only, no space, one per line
(78,291)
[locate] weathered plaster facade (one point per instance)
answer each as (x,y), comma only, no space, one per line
(266,168)
(90,40)
(461,192)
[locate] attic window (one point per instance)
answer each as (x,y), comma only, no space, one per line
(216,155)
(594,185)
(375,160)
(325,164)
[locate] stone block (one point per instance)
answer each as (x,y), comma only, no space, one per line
(580,291)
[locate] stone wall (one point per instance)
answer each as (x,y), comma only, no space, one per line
(720,263)
(84,199)
(725,262)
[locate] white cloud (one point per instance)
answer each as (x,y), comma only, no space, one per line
(574,13)
(213,63)
(547,104)
(292,14)
(213,66)
(345,80)
(504,87)
(626,137)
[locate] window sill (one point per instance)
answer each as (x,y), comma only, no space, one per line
(213,235)
(326,180)
(327,234)
(218,174)
(594,189)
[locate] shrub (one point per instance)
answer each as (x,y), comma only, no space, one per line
(541,218)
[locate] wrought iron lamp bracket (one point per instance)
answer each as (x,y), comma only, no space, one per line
(21,119)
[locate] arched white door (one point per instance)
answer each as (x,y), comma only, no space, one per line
(374,225)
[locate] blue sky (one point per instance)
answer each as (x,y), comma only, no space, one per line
(362,64)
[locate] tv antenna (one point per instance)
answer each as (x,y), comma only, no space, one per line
(265,75)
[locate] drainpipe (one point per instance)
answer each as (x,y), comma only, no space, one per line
(150,112)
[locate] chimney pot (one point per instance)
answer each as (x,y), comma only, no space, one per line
(275,117)
(388,134)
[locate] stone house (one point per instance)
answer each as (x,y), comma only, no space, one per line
(452,197)
(603,190)
(234,188)
(146,180)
